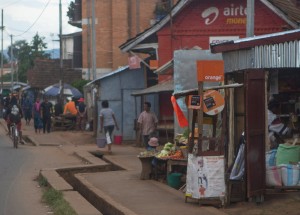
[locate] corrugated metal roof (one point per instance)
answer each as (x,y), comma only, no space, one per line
(108,75)
(167,86)
(251,42)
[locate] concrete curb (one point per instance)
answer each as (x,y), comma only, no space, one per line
(79,204)
(111,206)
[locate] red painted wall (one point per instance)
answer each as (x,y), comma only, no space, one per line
(200,20)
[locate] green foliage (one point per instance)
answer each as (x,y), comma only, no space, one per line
(42,181)
(79,84)
(161,8)
(71,11)
(26,53)
(186,133)
(6,77)
(57,203)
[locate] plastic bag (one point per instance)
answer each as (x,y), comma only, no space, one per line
(108,139)
(87,126)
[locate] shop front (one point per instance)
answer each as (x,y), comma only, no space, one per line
(268,66)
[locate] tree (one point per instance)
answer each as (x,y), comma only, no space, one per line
(25,54)
(79,84)
(71,11)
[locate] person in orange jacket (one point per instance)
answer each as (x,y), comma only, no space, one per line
(70,110)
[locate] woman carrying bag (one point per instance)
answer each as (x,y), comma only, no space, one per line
(108,122)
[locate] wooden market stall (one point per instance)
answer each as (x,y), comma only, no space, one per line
(268,66)
(207,146)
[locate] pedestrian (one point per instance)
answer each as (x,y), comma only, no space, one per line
(46,112)
(81,114)
(27,109)
(58,108)
(147,123)
(36,113)
(108,122)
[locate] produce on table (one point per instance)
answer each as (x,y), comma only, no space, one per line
(148,153)
(178,155)
(168,150)
(181,139)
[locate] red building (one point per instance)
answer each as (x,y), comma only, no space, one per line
(198,23)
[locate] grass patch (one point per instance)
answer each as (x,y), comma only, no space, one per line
(55,199)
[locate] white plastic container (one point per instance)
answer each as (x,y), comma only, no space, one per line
(289,174)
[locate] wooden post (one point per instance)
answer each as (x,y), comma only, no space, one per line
(200,117)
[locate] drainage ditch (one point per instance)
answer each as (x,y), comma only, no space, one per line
(99,203)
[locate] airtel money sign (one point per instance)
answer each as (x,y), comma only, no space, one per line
(210,70)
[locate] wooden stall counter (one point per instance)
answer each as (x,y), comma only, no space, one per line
(146,167)
(177,162)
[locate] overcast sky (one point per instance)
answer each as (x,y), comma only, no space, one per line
(24,18)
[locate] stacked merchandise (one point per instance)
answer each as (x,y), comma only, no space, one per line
(283,166)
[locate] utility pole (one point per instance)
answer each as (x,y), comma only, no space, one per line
(11,62)
(93,41)
(60,55)
(2,29)
(250,18)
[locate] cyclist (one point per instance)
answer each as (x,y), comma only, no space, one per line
(14,116)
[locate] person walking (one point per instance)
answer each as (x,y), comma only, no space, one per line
(108,122)
(46,109)
(147,123)
(27,109)
(36,113)
(81,114)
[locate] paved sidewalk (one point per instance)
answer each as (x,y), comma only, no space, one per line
(122,189)
(122,192)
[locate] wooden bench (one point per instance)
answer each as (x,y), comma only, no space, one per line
(62,123)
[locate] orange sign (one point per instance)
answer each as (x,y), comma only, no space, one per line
(213,102)
(210,70)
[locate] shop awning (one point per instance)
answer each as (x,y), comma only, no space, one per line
(195,90)
(167,86)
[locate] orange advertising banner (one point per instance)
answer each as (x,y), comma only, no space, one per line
(210,70)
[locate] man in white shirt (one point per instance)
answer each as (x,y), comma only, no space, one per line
(147,123)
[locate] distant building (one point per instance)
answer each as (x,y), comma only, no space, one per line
(116,21)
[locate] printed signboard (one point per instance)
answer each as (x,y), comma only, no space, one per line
(210,70)
(205,177)
(194,102)
(213,102)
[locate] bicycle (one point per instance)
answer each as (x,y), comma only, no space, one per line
(14,134)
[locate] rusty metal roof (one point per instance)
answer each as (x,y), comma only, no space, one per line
(167,86)
(290,7)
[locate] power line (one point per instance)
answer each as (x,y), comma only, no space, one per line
(12,3)
(35,20)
